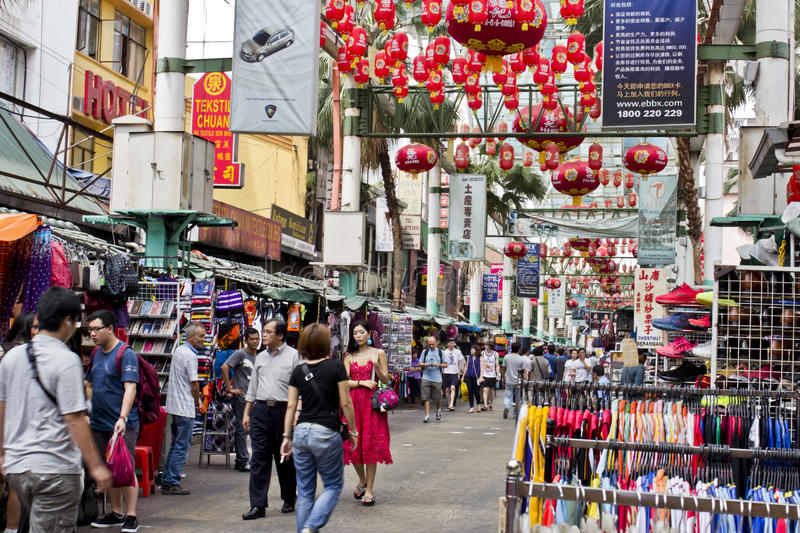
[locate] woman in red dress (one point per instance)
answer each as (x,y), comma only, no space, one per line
(364,364)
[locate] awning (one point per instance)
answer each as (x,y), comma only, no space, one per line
(467,326)
(15,226)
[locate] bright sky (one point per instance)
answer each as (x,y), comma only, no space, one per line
(210,32)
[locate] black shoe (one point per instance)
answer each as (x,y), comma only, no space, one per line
(505,412)
(174,490)
(253,513)
(287,507)
(131,525)
(109,520)
(242,468)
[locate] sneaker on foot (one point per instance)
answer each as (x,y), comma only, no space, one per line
(426,420)
(131,525)
(438,414)
(505,412)
(174,490)
(109,520)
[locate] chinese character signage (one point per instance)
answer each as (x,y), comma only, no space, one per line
(491,288)
(497,268)
(649,283)
(254,234)
(384,240)
(528,273)
(467,221)
(275,67)
(649,64)
(211,105)
(658,208)
(557,302)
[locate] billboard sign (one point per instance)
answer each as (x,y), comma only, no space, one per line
(658,212)
(297,232)
(384,240)
(467,217)
(528,273)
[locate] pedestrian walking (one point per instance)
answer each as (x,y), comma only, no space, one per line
(490,367)
(577,369)
(267,397)
(560,364)
(365,365)
(551,359)
(432,361)
(451,372)
(114,375)
(634,375)
(241,362)
(414,376)
(42,381)
(472,370)
(540,367)
(516,366)
(183,401)
(599,378)
(316,443)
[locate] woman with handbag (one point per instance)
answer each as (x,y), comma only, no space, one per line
(364,364)
(316,441)
(472,371)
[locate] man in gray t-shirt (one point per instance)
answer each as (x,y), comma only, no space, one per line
(516,366)
(242,363)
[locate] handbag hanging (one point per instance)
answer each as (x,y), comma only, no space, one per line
(384,398)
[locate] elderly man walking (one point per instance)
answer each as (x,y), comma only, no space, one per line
(432,362)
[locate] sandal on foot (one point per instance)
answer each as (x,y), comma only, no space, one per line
(359,492)
(368,501)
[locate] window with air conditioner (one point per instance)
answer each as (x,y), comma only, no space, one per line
(89,28)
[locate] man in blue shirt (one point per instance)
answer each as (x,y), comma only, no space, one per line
(113,411)
(431,360)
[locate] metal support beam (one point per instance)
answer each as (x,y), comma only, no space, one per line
(177,64)
(725,52)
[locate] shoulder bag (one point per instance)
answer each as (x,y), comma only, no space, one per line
(384,398)
(344,430)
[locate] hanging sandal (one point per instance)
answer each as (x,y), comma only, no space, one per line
(359,492)
(368,501)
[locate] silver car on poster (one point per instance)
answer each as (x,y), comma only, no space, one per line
(265,43)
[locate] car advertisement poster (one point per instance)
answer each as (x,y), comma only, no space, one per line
(648,283)
(528,273)
(275,67)
(467,217)
(658,211)
(649,64)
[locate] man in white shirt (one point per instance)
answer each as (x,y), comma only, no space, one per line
(578,369)
(455,365)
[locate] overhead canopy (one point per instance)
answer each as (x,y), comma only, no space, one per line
(14,226)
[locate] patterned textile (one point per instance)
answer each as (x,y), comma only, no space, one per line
(39,268)
(12,260)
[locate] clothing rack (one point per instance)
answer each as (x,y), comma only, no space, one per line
(661,390)
(516,489)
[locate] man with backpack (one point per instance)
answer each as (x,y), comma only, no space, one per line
(113,410)
(432,362)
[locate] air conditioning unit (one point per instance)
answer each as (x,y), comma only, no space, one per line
(146,7)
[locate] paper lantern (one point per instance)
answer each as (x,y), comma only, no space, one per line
(551,156)
(361,74)
(473,84)
(464,128)
(572,304)
(430,60)
(501,76)
(419,70)
(558,61)
(459,70)
(437,97)
(506,157)
(500,128)
(552,283)
(595,156)
(344,62)
(334,12)
(609,203)
(632,199)
(598,56)
(401,91)
(575,178)
(357,42)
(511,102)
(491,147)
(576,44)
(543,250)
(510,86)
(384,14)
(604,179)
(515,63)
(550,121)
(587,101)
(617,178)
(474,141)
(525,13)
(620,201)
(527,158)
(475,61)
(474,101)
(435,81)
(596,110)
(415,158)
(347,22)
(491,27)
(515,250)
(629,183)
(530,56)
(571,11)
(441,51)
(398,48)
(431,13)
(583,73)
(542,73)
(645,159)
(462,156)
(382,69)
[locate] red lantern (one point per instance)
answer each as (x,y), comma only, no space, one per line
(558,61)
(382,69)
(583,73)
(357,42)
(464,129)
(419,70)
(552,283)
(551,156)
(501,76)
(527,158)
(629,181)
(632,199)
(595,156)
(384,14)
(491,147)
(576,43)
(431,13)
(491,27)
(415,158)
(322,39)
(334,12)
(512,101)
(435,81)
(572,10)
(506,157)
(543,250)
(597,109)
(525,13)
(401,91)
(344,62)
(459,70)
(462,156)
(398,48)
(510,86)
(604,177)
(515,63)
(515,250)
(347,22)
(608,203)
(543,73)
(475,141)
(589,86)
(473,84)
(645,159)
(598,56)
(550,121)
(575,179)
(437,97)
(441,51)
(530,56)
(475,61)
(620,201)
(430,61)
(572,304)
(501,127)
(587,101)
(361,75)
(617,178)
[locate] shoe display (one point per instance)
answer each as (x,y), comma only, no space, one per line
(253,513)
(707,298)
(674,322)
(688,371)
(109,520)
(683,294)
(701,323)
(131,525)
(676,348)
(703,351)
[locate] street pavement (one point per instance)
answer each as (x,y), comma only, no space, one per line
(446,476)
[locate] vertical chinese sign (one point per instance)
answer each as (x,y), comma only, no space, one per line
(649,283)
(467,223)
(211,106)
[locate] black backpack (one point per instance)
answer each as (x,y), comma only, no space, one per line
(441,356)
(121,275)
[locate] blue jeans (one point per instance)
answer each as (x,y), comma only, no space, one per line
(509,398)
(240,438)
(178,450)
(317,449)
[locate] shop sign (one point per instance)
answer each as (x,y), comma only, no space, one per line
(275,67)
(649,64)
(409,191)
(493,314)
(648,283)
(658,212)
(467,217)
(528,273)
(297,233)
(384,240)
(557,302)
(411,231)
(211,107)
(490,291)
(105,101)
(254,235)
(497,268)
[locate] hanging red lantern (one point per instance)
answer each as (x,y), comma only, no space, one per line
(431,13)
(344,62)
(501,76)
(604,180)
(441,51)
(527,158)
(589,86)
(515,250)
(473,84)
(582,72)
(437,97)
(384,14)
(322,39)
(415,158)
(629,183)
(401,91)
(475,61)
(543,167)
(598,56)
(515,63)
(530,56)
(572,304)
(571,11)
(525,13)
(576,44)
(596,110)
(464,129)
(510,86)
(552,283)
(419,70)
(462,156)
(435,81)
(558,61)
(361,75)
(617,178)
(512,101)
(632,199)
(549,88)
(459,70)
(398,48)
(543,73)
(491,147)
(357,43)
(501,127)
(620,201)
(575,178)
(543,250)
(334,12)
(382,69)
(474,141)
(430,60)
(551,156)
(645,159)
(608,203)
(347,22)
(595,156)
(506,157)
(550,121)
(491,27)
(587,101)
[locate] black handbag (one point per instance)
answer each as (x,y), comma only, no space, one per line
(121,275)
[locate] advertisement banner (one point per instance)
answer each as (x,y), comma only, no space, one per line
(297,232)
(658,211)
(275,67)
(528,273)
(648,283)
(557,302)
(490,292)
(384,241)
(467,217)
(649,64)
(497,268)
(255,235)
(211,106)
